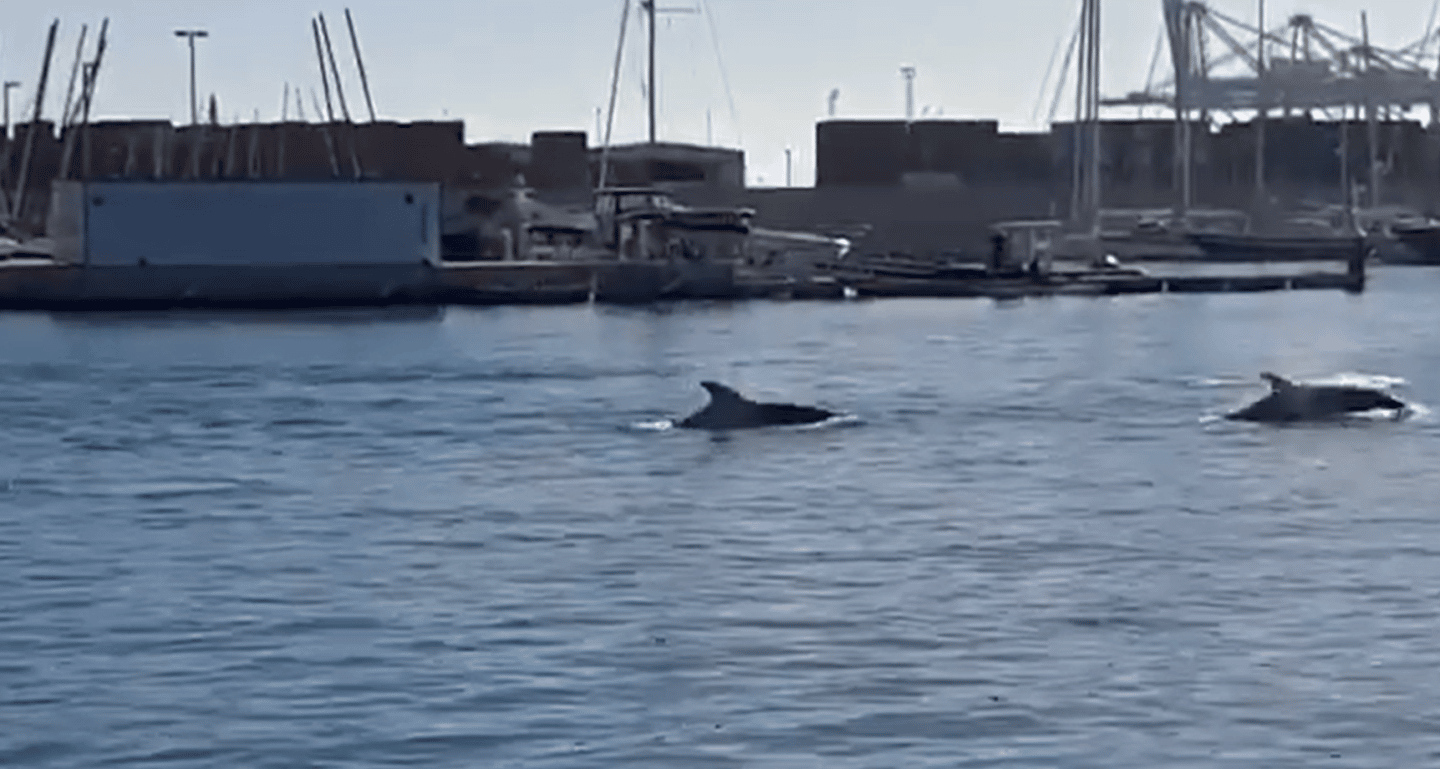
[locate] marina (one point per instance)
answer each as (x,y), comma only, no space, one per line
(258,243)
(562,220)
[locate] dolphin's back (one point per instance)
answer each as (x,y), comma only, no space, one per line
(790,414)
(729,410)
(1289,402)
(1363,399)
(1271,408)
(724,415)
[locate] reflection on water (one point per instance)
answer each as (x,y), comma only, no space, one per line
(291,540)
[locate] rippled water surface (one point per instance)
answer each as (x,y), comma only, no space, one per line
(457,539)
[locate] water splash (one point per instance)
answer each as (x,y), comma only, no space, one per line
(1358,379)
(1224,381)
(834,422)
(1351,378)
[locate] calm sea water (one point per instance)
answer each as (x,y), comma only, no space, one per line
(459,539)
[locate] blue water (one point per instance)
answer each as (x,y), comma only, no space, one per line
(460,538)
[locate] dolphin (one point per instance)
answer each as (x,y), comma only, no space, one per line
(1290,402)
(729,410)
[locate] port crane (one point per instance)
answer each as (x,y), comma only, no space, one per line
(1223,64)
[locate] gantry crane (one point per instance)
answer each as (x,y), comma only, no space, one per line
(1222,64)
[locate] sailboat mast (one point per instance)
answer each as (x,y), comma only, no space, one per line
(614,89)
(1372,135)
(1262,110)
(649,6)
(1180,25)
(1094,116)
(1085,193)
(1182,115)
(1349,211)
(1077,139)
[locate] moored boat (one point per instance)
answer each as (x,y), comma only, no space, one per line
(1419,244)
(1233,247)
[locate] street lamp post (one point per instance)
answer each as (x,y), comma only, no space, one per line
(192,34)
(908,72)
(8,85)
(5,148)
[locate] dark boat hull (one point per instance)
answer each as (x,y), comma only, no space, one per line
(1221,247)
(1420,245)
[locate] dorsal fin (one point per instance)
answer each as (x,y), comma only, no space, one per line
(1277,383)
(719,393)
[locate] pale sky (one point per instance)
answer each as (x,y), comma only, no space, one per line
(510,67)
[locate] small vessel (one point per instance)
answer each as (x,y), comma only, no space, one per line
(1419,243)
(1250,247)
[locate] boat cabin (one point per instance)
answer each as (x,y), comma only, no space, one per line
(646,224)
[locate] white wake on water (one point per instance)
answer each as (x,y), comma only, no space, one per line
(834,422)
(1351,378)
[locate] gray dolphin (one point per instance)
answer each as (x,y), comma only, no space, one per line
(729,410)
(1290,402)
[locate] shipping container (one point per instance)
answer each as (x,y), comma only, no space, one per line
(245,223)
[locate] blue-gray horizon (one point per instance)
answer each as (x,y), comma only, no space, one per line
(740,73)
